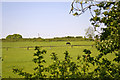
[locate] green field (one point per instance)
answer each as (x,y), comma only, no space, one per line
(22,58)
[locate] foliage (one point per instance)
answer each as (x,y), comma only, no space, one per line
(58,69)
(107,14)
(90,33)
(68,38)
(39,69)
(79,37)
(14,36)
(69,69)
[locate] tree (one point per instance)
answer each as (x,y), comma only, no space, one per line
(14,36)
(107,13)
(90,33)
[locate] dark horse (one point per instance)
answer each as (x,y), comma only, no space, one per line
(68,43)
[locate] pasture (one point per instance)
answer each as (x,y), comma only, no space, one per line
(16,54)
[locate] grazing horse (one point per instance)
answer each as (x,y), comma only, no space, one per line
(68,43)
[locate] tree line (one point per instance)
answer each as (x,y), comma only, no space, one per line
(18,37)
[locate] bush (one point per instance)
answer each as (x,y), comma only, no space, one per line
(67,68)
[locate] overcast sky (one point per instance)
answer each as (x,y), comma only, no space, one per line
(48,19)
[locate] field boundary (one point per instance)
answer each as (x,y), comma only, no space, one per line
(46,46)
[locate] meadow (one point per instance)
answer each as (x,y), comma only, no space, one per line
(17,55)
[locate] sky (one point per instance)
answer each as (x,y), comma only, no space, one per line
(42,19)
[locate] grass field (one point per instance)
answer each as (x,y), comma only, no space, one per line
(22,58)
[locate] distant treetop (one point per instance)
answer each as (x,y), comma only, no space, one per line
(14,36)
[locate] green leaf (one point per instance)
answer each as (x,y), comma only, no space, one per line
(75,14)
